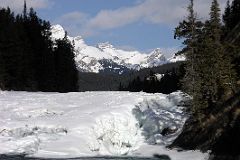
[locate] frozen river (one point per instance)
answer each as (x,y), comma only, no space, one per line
(89,124)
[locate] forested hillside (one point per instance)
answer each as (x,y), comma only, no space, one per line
(212,79)
(29,59)
(157,82)
(112,82)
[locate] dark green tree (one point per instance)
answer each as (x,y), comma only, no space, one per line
(7,43)
(39,34)
(66,72)
(234,17)
(189,30)
(27,58)
(226,16)
(231,37)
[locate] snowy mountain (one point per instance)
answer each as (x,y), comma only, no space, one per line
(177,58)
(104,57)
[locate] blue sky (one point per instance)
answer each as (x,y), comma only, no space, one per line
(130,24)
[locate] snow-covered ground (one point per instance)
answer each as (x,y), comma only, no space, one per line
(92,124)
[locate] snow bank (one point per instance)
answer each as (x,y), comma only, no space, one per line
(115,135)
(161,118)
(91,124)
(26,140)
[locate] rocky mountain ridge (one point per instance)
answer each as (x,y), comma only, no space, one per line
(104,57)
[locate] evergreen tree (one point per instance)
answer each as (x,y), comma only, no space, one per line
(169,83)
(212,37)
(225,73)
(14,51)
(216,76)
(6,20)
(226,16)
(214,102)
(25,10)
(39,34)
(27,59)
(66,72)
(231,37)
(209,74)
(234,18)
(189,30)
(25,74)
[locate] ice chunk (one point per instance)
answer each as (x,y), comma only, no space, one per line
(115,134)
(161,118)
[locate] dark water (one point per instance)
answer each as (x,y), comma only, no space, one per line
(23,157)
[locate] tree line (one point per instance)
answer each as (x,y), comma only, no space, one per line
(169,82)
(213,56)
(29,59)
(212,78)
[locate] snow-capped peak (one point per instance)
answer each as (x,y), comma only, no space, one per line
(177,58)
(78,42)
(105,45)
(104,56)
(58,31)
(156,58)
(156,53)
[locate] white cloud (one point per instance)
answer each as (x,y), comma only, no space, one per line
(153,11)
(149,11)
(77,17)
(17,5)
(74,22)
(168,12)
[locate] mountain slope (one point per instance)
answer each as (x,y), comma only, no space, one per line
(105,58)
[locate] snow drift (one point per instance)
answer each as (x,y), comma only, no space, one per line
(91,124)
